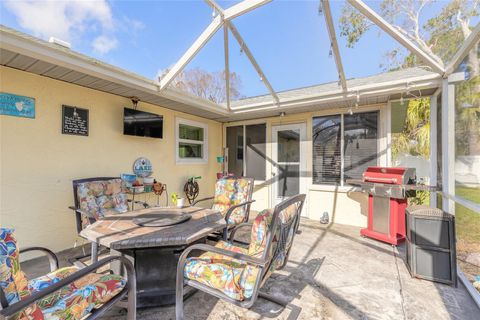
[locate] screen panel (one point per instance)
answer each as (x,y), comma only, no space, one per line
(360,143)
(256,159)
(235,150)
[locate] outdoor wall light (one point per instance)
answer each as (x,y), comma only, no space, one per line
(135,101)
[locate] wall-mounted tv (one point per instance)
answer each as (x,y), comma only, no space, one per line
(142,124)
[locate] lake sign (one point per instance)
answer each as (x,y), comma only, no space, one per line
(142,167)
(17,106)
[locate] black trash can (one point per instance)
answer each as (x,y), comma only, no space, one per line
(431,253)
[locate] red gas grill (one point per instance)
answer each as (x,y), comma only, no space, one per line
(387,199)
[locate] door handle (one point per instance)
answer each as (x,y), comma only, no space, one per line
(274,174)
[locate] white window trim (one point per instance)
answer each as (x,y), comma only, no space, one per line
(192,123)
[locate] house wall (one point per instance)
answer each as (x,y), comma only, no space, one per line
(38,162)
(344,204)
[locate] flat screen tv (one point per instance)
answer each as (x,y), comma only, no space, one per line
(142,124)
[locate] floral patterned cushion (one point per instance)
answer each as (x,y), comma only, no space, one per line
(120,202)
(261,229)
(80,298)
(229,192)
(45,281)
(234,278)
(71,302)
(101,198)
(12,280)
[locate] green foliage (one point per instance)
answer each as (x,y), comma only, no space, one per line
(422,197)
(440,36)
(466,220)
(353,25)
(415,136)
(467,119)
(445,34)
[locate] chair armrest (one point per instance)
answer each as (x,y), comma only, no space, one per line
(87,214)
(200,200)
(235,255)
(131,284)
(232,208)
(52,257)
(237,227)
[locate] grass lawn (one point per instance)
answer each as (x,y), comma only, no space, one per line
(468,231)
(467,221)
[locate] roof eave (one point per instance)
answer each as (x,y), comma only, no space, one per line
(32,47)
(388,87)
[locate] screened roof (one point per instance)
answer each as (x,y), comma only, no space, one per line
(287,55)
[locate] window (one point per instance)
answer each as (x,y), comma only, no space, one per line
(326,149)
(254,139)
(191,141)
(343,146)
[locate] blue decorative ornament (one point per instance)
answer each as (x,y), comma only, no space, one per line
(142,167)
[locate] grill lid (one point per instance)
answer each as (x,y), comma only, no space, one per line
(390,175)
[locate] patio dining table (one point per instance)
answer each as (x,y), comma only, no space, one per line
(154,250)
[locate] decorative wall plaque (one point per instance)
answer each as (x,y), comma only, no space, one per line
(74,121)
(15,105)
(142,167)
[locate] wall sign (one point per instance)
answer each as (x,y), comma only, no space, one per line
(74,121)
(142,167)
(18,106)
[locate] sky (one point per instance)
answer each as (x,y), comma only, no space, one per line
(288,38)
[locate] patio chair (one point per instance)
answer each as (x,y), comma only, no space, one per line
(95,198)
(233,197)
(67,293)
(236,274)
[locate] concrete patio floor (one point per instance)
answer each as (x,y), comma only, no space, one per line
(333,273)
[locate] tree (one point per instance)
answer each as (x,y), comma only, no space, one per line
(208,85)
(439,37)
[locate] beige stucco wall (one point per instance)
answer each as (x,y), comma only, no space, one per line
(38,162)
(345,204)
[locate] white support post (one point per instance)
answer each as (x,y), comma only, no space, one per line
(201,41)
(215,6)
(242,8)
(333,40)
(342,149)
(397,35)
(250,56)
(448,145)
(227,65)
(386,123)
(467,45)
(433,147)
